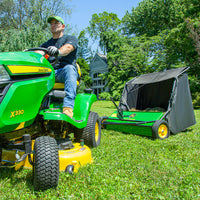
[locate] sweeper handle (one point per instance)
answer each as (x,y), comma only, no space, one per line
(119,111)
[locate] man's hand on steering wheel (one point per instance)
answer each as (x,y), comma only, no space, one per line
(53,51)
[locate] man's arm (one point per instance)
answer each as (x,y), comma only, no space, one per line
(66,49)
(63,51)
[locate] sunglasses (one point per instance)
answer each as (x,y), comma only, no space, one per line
(55,23)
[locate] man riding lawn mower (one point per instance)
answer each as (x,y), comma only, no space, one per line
(64,49)
(34,131)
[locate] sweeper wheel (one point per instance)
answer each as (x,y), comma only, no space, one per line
(46,163)
(160,130)
(91,134)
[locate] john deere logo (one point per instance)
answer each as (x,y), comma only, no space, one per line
(16,113)
(43,70)
(132,115)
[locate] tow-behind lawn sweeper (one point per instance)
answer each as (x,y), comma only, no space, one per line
(154,105)
(33,131)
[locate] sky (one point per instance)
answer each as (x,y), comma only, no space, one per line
(82,10)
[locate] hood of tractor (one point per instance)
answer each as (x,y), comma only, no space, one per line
(25,80)
(25,63)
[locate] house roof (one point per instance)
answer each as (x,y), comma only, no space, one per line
(103,57)
(99,63)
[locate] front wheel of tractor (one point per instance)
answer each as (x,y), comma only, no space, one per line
(46,163)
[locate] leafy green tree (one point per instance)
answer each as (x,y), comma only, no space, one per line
(83,47)
(101,23)
(130,57)
(152,17)
(18,40)
(166,18)
(193,26)
(23,22)
(19,14)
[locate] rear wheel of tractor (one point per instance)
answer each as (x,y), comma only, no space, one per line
(91,134)
(46,163)
(160,130)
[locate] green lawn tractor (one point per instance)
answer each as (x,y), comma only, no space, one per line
(34,133)
(154,105)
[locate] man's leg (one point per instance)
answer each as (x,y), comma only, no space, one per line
(68,75)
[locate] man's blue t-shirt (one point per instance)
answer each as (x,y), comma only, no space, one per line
(63,60)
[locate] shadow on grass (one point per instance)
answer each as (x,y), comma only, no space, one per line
(6,173)
(188,130)
(17,177)
(133,134)
(142,136)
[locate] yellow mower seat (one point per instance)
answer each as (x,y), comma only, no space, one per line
(59,86)
(62,85)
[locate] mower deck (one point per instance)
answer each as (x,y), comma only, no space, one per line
(76,157)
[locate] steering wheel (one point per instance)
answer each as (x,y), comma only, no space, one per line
(38,49)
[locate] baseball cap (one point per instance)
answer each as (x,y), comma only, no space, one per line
(60,19)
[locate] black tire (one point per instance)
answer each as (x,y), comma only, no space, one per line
(160,130)
(91,134)
(46,163)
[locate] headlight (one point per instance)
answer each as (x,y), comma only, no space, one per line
(4,76)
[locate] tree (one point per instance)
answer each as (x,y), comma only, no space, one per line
(102,23)
(18,40)
(86,80)
(83,47)
(20,14)
(23,22)
(130,57)
(194,30)
(166,18)
(152,17)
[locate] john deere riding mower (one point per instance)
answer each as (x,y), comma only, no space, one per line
(34,133)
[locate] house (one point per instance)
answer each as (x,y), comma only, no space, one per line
(98,66)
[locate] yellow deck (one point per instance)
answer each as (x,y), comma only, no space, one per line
(77,156)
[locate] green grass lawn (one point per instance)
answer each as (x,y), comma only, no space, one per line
(126,166)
